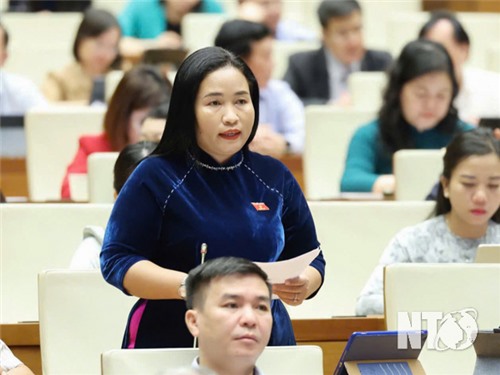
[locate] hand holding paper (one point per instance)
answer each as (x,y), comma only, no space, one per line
(286,277)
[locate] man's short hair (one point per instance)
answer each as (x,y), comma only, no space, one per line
(200,277)
(237,36)
(5,36)
(459,34)
(329,9)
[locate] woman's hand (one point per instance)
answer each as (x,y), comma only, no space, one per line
(294,291)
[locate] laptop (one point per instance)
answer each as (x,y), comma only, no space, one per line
(487,348)
(488,253)
(490,122)
(377,352)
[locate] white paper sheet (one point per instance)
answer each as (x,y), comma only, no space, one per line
(283,270)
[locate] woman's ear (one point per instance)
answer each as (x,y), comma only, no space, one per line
(445,184)
(191,319)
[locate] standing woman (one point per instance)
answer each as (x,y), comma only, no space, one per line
(96,53)
(203,186)
(417,113)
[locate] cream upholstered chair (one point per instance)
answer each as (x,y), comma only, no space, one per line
(51,144)
(416,172)
(300,360)
(100,167)
(328,133)
(81,316)
(282,51)
(40,42)
(353,236)
(200,29)
(444,288)
(34,237)
(366,89)
(493,59)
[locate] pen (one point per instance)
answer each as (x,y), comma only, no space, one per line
(203,252)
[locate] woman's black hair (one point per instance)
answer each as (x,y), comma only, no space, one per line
(476,142)
(128,159)
(94,23)
(179,135)
(417,58)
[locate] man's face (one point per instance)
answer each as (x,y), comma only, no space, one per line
(343,37)
(234,322)
(3,48)
(260,61)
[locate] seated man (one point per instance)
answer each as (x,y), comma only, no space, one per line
(320,76)
(9,364)
(281,113)
(229,312)
(479,90)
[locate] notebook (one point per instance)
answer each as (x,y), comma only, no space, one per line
(488,253)
(377,352)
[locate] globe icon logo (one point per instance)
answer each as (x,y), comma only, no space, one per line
(457,330)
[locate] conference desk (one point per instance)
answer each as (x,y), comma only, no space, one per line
(330,334)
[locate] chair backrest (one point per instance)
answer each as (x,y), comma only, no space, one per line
(282,51)
(353,236)
(51,143)
(100,167)
(447,289)
(40,42)
(493,59)
(200,29)
(366,89)
(34,237)
(81,316)
(328,133)
(411,185)
(112,80)
(302,359)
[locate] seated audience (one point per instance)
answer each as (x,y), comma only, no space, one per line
(87,254)
(48,5)
(96,53)
(281,113)
(9,364)
(229,312)
(467,214)
(157,23)
(479,89)
(17,94)
(320,76)
(268,12)
(140,89)
(417,113)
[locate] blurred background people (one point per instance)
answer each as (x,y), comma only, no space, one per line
(17,94)
(96,53)
(479,89)
(281,113)
(140,89)
(320,76)
(49,5)
(86,256)
(466,215)
(269,12)
(157,23)
(417,113)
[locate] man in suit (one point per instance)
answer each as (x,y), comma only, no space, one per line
(320,76)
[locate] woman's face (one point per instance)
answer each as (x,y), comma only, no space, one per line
(425,100)
(97,54)
(224,113)
(136,119)
(474,190)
